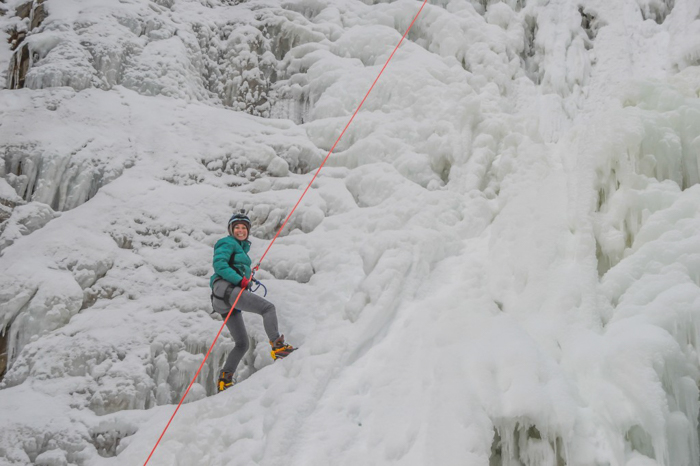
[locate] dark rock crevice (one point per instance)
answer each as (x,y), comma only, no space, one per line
(19,66)
(512,445)
(590,23)
(107,441)
(38,14)
(22,58)
(657,10)
(3,351)
(528,57)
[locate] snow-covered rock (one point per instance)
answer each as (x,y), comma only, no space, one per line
(498,265)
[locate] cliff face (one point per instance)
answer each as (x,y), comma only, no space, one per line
(35,13)
(498,265)
(154,50)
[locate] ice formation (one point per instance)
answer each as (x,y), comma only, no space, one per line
(499,265)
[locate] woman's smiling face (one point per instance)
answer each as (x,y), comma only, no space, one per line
(240,232)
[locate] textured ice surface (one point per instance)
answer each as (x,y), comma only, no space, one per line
(499,265)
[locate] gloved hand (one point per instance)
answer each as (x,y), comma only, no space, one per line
(244,283)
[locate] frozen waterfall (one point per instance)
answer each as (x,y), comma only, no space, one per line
(499,265)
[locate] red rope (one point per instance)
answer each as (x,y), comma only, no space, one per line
(280,230)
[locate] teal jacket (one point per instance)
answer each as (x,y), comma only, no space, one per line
(223,250)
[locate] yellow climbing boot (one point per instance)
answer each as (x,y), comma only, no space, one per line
(225,381)
(280,349)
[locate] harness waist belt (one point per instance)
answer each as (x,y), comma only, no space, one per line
(227,293)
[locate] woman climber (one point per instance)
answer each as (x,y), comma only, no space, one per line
(232,272)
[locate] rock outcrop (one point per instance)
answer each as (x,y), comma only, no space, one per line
(21,59)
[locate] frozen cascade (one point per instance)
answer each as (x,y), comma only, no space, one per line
(656,139)
(498,266)
(228,59)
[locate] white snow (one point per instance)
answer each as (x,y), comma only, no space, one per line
(499,265)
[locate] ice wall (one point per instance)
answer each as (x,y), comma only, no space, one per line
(655,157)
(181,49)
(498,266)
(113,254)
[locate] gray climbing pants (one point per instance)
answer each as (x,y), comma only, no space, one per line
(249,302)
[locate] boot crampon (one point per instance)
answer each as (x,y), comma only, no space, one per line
(280,349)
(225,381)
